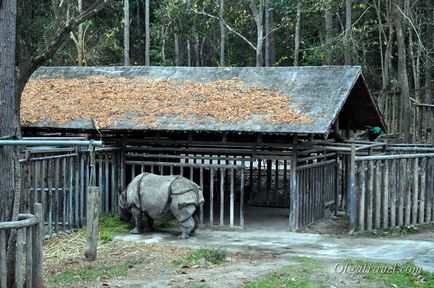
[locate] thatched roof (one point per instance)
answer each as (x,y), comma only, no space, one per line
(303,100)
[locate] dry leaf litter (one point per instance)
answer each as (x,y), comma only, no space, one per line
(107,100)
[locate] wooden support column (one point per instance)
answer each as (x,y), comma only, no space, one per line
(352,190)
(294,205)
(90,249)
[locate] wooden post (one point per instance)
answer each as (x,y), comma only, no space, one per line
(294,205)
(352,190)
(90,248)
(38,242)
(3,267)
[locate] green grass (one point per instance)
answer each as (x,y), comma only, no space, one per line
(396,232)
(393,275)
(89,274)
(214,256)
(301,274)
(114,224)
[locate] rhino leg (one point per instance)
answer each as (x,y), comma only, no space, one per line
(187,227)
(137,214)
(149,227)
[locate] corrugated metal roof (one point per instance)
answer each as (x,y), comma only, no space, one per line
(318,92)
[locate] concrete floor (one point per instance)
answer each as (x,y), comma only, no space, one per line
(266,234)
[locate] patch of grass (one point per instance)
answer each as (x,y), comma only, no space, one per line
(214,256)
(396,232)
(391,275)
(114,224)
(88,274)
(300,275)
(162,225)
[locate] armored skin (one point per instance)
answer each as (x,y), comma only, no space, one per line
(162,198)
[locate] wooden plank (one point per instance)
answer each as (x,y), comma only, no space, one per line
(38,241)
(362,192)
(222,196)
(351,190)
(29,257)
(101,183)
(378,183)
(106,183)
(201,186)
(407,192)
(36,181)
(423,182)
(76,203)
(113,185)
(50,172)
(56,194)
(64,191)
(401,190)
(369,195)
(429,190)
(415,192)
(276,183)
(19,275)
(242,196)
(394,165)
(268,180)
(71,192)
(133,171)
(385,176)
(3,267)
(232,199)
(43,186)
(82,195)
(259,195)
(211,197)
(294,208)
(90,248)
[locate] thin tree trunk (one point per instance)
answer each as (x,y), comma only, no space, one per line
(222,32)
(147,34)
(80,40)
(406,112)
(258,14)
(328,29)
(348,23)
(196,49)
(269,39)
(126,33)
(429,56)
(177,52)
(297,34)
(163,44)
(188,53)
(140,56)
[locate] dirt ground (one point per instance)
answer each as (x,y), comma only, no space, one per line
(153,262)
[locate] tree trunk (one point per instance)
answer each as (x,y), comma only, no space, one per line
(348,29)
(9,118)
(196,48)
(147,34)
(222,33)
(258,14)
(177,52)
(269,39)
(126,32)
(297,34)
(406,112)
(429,56)
(328,29)
(80,40)
(188,53)
(140,56)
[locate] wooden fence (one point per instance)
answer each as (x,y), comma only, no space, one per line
(392,190)
(27,252)
(59,179)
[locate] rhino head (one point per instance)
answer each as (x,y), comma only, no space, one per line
(123,209)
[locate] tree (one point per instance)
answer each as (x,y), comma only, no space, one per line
(406,112)
(9,166)
(348,28)
(222,32)
(328,18)
(297,34)
(147,34)
(126,32)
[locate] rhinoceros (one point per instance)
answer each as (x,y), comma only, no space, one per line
(161,198)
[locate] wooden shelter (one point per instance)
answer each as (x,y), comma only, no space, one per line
(248,136)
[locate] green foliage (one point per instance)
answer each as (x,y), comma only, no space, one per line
(214,256)
(91,273)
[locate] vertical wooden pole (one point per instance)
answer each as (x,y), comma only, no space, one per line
(369,195)
(56,195)
(386,195)
(19,275)
(242,196)
(394,165)
(422,190)
(232,198)
(378,190)
(201,186)
(90,249)
(3,267)
(38,242)
(352,210)
(29,257)
(222,196)
(211,197)
(294,205)
(50,196)
(415,199)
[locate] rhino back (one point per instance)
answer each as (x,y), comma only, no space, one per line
(154,194)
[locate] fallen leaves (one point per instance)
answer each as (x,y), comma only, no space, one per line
(106,100)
